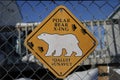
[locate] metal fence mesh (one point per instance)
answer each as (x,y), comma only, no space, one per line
(19,18)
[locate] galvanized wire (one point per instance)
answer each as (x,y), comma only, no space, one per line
(16,61)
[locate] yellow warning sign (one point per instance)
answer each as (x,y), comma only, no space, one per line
(61,42)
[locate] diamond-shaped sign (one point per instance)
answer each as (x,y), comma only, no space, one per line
(61,42)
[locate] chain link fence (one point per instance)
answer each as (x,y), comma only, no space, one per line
(19,18)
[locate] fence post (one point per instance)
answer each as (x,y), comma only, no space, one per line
(103,72)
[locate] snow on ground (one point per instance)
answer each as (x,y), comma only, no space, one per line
(91,74)
(24,79)
(117,70)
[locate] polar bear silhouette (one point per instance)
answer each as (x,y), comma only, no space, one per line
(58,42)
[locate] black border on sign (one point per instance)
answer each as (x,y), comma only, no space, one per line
(79,25)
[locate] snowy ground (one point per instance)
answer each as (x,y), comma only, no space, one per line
(85,75)
(117,70)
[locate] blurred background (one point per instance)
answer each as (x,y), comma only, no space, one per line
(19,18)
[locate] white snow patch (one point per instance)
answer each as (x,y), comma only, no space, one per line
(85,75)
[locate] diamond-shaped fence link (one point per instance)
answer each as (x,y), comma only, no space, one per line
(19,18)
